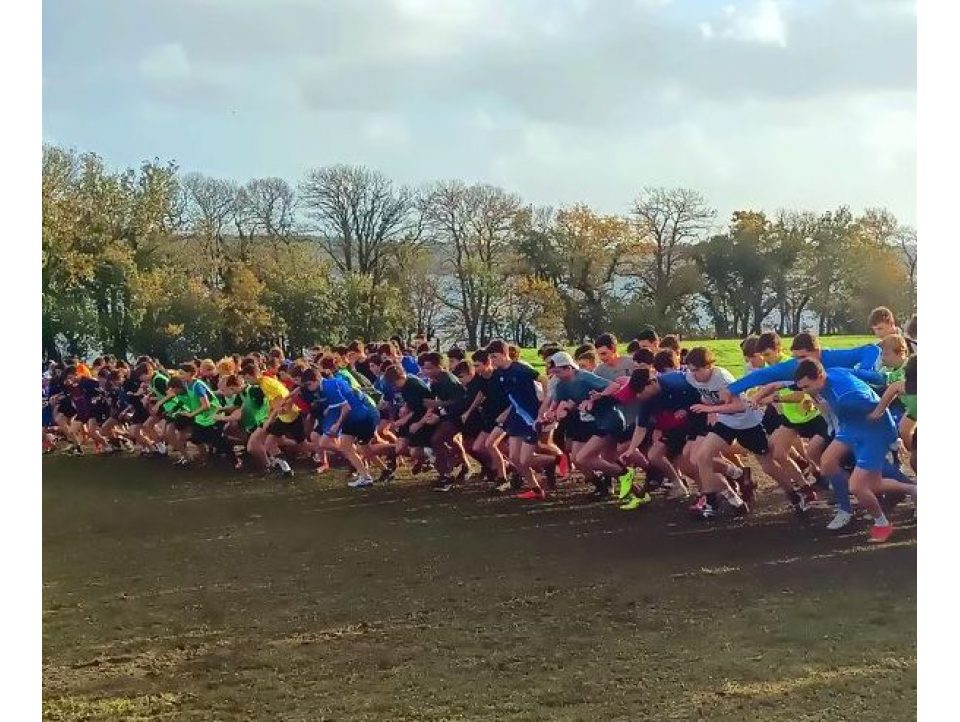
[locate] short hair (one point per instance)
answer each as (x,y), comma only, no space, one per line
(548,351)
(644,356)
(588,355)
(431,357)
(176,383)
(809,368)
(395,373)
(142,369)
(894,342)
(670,341)
(649,335)
(633,346)
(276,352)
(497,346)
(355,347)
(339,350)
(749,346)
(768,341)
(232,380)
(249,368)
(387,349)
(462,367)
(666,360)
(805,341)
(480,356)
(583,348)
(328,363)
(309,376)
(606,340)
(639,379)
(513,351)
(188,368)
(208,365)
(455,353)
(700,357)
(423,347)
(881,314)
(226,366)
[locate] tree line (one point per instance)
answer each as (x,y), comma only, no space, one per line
(149,260)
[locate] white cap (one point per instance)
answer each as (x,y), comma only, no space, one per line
(562,358)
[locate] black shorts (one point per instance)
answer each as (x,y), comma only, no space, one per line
(753,439)
(419,439)
(139,416)
(182,423)
(576,429)
(674,440)
(205,434)
(697,425)
(292,430)
(816,426)
(473,426)
(772,420)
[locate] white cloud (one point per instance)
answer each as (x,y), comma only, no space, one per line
(762,23)
(706,30)
(165,63)
(386,129)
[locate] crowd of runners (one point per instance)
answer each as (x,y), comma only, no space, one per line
(658,416)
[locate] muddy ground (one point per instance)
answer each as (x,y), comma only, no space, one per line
(206,594)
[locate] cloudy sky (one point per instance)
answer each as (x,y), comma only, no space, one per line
(756,103)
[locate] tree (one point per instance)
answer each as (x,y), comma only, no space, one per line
(669,221)
(472,226)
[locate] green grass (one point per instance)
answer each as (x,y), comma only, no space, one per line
(727,351)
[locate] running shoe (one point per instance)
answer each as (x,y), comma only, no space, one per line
(503,486)
(879,534)
(678,491)
(808,494)
(361,482)
(635,502)
(182,461)
(539,494)
(705,512)
(625,480)
(442,484)
(417,467)
(698,504)
(840,520)
(386,475)
(563,466)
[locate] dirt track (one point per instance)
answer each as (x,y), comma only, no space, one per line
(202,594)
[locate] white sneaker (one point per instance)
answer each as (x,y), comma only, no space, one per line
(839,521)
(161,448)
(360,482)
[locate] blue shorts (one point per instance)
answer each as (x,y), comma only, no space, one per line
(870,446)
(516,427)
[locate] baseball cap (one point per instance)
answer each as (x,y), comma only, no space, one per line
(562,358)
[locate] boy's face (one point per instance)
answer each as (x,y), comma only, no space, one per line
(398,383)
(813,386)
(649,345)
(802,353)
(485,368)
(605,354)
(769,356)
(431,371)
(465,377)
(500,360)
(755,362)
(702,374)
(893,358)
(312,385)
(564,373)
(587,363)
(884,329)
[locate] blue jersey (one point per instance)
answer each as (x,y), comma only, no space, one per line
(676,394)
(850,400)
(862,357)
(410,365)
(517,381)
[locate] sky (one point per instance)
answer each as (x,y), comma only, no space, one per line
(757,104)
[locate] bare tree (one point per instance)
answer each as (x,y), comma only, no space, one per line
(906,243)
(472,226)
(360,216)
(209,204)
(669,220)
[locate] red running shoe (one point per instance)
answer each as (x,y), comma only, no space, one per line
(532,494)
(879,534)
(696,506)
(563,466)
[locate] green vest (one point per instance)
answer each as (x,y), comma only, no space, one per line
(252,415)
(192,402)
(169,406)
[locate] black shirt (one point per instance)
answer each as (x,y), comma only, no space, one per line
(363,367)
(450,392)
(494,398)
(414,392)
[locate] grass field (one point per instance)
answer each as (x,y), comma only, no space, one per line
(727,351)
(204,594)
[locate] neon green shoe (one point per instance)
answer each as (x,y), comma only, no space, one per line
(626,483)
(635,502)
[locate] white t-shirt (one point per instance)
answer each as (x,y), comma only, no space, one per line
(710,394)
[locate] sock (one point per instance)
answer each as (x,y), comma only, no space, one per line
(881,520)
(733,472)
(732,498)
(841,491)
